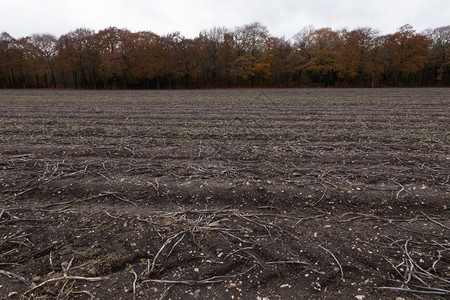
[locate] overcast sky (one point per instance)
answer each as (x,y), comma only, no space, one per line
(282,17)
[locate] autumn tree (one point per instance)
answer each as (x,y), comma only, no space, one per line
(245,56)
(227,55)
(146,59)
(300,55)
(407,53)
(78,59)
(250,42)
(115,47)
(377,62)
(9,61)
(356,60)
(172,45)
(320,49)
(210,43)
(45,52)
(26,63)
(278,53)
(439,59)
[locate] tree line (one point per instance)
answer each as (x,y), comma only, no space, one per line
(247,56)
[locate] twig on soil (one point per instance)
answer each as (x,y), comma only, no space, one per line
(225,231)
(391,222)
(429,291)
(445,182)
(414,264)
(265,226)
(66,269)
(114,217)
(62,292)
(309,218)
(50,260)
(395,267)
(210,280)
(152,267)
(236,251)
(74,201)
(339,265)
(14,235)
(200,150)
(62,175)
(104,176)
(323,195)
(287,262)
(134,283)
(12,198)
(65,277)
(166,291)
(7,273)
(119,197)
(156,187)
(414,270)
(401,187)
(185,282)
(434,221)
(85,292)
(35,254)
(176,243)
(130,150)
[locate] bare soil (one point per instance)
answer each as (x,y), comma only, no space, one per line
(236,194)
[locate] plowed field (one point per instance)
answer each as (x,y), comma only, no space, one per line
(225,194)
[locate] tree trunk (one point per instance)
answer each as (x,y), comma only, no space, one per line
(75,80)
(64,79)
(13,78)
(84,79)
(94,79)
(45,80)
(53,78)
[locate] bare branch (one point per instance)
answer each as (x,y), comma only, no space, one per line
(331,253)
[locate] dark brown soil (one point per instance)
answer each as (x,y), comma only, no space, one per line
(244,194)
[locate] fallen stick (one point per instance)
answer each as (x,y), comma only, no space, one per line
(287,262)
(214,279)
(7,273)
(402,188)
(434,221)
(340,267)
(430,291)
(134,283)
(64,278)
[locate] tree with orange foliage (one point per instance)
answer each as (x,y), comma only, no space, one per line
(251,40)
(277,56)
(227,54)
(115,47)
(247,56)
(321,50)
(355,55)
(144,60)
(407,53)
(78,60)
